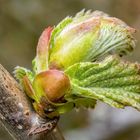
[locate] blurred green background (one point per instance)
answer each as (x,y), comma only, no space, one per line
(21,23)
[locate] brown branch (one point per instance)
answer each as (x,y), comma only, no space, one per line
(17,115)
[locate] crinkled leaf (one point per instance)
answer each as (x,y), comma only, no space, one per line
(112,81)
(92,35)
(56,31)
(20,72)
(112,38)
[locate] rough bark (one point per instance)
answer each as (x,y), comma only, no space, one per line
(17,115)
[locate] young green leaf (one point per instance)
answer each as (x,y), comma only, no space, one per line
(81,102)
(112,81)
(20,72)
(57,30)
(92,35)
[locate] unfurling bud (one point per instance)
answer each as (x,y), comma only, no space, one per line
(52,84)
(65,74)
(87,37)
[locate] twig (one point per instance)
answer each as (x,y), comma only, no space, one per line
(17,115)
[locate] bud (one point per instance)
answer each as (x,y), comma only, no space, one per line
(87,37)
(52,84)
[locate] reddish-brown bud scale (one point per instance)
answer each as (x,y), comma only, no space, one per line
(28,87)
(53,84)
